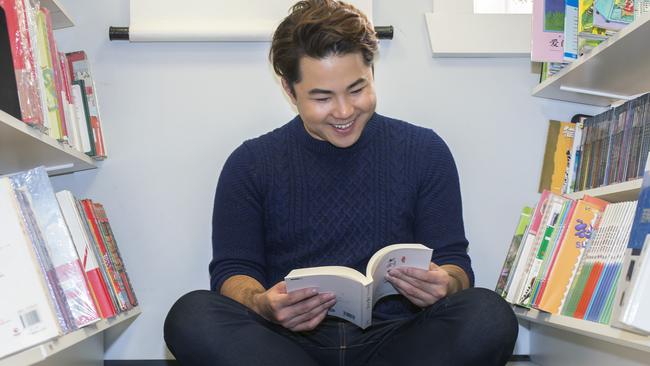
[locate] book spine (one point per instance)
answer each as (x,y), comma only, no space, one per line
(114,252)
(103,268)
(366,312)
(113,276)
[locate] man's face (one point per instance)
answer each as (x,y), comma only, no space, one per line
(335,97)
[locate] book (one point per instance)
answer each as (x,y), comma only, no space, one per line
(111,245)
(557,153)
(29,94)
(625,313)
(79,68)
(548,31)
(27,314)
(60,249)
(583,222)
(356,293)
(513,252)
(81,238)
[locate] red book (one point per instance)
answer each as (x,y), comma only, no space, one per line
(113,280)
(590,286)
(111,245)
(23,62)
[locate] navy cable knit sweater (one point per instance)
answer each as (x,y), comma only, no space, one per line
(286,200)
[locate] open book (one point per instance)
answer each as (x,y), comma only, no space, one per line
(356,294)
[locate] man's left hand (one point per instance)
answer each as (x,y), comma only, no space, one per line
(423,288)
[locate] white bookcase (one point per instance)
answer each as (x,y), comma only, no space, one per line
(23,147)
(563,340)
(618,69)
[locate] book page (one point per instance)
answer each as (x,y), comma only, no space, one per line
(393,256)
(348,285)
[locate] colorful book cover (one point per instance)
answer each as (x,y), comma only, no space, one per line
(548,31)
(47,69)
(114,279)
(613,14)
(116,257)
(513,251)
(80,70)
(582,224)
(60,247)
(80,237)
(27,319)
(571,30)
(29,95)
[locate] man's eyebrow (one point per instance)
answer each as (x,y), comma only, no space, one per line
(325,91)
(356,83)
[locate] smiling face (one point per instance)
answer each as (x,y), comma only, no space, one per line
(335,97)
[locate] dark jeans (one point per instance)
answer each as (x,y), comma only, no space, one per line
(472,327)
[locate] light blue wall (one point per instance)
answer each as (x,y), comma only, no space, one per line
(172,113)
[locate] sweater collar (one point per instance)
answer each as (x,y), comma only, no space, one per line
(368,134)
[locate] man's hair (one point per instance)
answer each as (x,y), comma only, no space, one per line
(318,29)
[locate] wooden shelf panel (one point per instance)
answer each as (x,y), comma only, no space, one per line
(60,18)
(49,348)
(23,147)
(584,327)
(610,72)
(619,192)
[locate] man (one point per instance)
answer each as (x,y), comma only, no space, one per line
(331,187)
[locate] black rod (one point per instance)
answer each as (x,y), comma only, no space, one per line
(122,33)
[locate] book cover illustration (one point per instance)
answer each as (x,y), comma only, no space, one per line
(548,31)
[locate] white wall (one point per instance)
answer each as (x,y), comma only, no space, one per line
(172,113)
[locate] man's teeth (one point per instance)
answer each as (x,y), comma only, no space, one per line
(343,127)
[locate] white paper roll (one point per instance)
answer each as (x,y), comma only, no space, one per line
(211,20)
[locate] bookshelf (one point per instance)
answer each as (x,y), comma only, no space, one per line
(21,148)
(619,192)
(587,328)
(610,72)
(563,340)
(66,342)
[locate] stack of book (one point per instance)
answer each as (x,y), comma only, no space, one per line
(601,150)
(564,30)
(60,268)
(582,258)
(47,89)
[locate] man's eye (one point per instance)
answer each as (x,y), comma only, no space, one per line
(356,91)
(322,99)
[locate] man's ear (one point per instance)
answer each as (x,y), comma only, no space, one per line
(287,89)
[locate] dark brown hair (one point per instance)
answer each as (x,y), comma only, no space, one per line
(320,28)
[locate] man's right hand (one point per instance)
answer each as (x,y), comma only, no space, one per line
(298,311)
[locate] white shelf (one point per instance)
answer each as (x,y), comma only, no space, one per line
(49,348)
(584,327)
(619,192)
(614,70)
(23,147)
(60,18)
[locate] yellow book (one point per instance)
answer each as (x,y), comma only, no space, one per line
(559,142)
(45,60)
(563,267)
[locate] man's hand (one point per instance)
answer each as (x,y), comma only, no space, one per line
(423,288)
(298,311)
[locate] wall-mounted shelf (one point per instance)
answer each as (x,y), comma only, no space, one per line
(60,18)
(612,71)
(45,350)
(23,147)
(619,192)
(590,329)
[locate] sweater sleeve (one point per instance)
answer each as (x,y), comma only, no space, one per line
(439,212)
(237,222)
